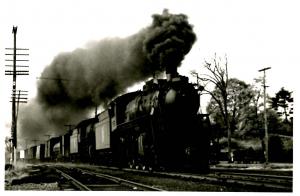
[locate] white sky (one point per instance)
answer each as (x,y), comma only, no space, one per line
(254,34)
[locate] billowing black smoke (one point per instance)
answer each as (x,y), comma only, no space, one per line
(169,40)
(77,81)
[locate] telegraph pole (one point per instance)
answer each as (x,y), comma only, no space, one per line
(265,117)
(15,94)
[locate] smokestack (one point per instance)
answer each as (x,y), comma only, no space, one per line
(171,72)
(92,76)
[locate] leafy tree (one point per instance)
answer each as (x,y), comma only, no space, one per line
(241,113)
(280,137)
(283,99)
(273,123)
(282,103)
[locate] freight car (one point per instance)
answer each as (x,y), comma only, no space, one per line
(52,149)
(82,141)
(47,151)
(65,147)
(30,154)
(40,152)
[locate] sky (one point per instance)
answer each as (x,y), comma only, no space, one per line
(252,34)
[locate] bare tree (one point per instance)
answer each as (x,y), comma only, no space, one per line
(218,75)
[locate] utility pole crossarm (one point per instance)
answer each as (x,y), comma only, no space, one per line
(264,69)
(16,48)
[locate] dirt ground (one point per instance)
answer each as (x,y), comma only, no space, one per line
(30,177)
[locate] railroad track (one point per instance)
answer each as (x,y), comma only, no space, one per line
(276,182)
(94,181)
(241,180)
(264,182)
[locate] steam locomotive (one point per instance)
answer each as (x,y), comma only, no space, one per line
(154,128)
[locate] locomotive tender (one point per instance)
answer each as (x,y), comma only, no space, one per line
(157,127)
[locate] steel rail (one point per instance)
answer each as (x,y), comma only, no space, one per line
(257,175)
(74,181)
(122,181)
(268,181)
(227,180)
(260,183)
(220,179)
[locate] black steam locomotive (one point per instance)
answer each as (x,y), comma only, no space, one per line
(157,127)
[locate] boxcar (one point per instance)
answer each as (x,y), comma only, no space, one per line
(51,153)
(40,152)
(26,154)
(102,139)
(82,141)
(102,131)
(32,154)
(74,144)
(65,147)
(47,151)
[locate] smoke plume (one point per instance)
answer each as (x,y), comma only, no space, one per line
(75,82)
